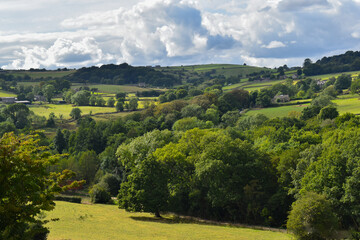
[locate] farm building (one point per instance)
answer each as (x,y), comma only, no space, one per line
(8,100)
(281,98)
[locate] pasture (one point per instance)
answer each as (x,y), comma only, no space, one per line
(252,86)
(108,88)
(94,222)
(41,74)
(7,94)
(282,111)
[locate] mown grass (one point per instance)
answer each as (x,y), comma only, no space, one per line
(351,105)
(95,222)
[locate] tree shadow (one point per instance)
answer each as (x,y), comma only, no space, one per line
(192,220)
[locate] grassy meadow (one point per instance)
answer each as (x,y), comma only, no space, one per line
(42,74)
(94,222)
(6,94)
(252,86)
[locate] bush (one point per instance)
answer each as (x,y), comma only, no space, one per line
(68,199)
(312,218)
(99,194)
(112,184)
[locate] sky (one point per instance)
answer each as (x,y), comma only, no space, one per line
(55,34)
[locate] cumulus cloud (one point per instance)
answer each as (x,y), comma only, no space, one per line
(274,44)
(170,32)
(62,53)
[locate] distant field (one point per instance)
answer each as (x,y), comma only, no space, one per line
(65,109)
(220,69)
(6,94)
(351,105)
(45,74)
(106,88)
(328,76)
(277,111)
(252,86)
(105,222)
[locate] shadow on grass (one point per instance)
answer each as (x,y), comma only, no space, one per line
(192,220)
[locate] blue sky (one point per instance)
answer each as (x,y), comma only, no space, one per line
(76,33)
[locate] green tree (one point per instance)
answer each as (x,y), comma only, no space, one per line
(133,103)
(26,186)
(81,98)
(329,112)
(18,113)
(92,100)
(343,82)
(100,101)
(49,92)
(110,102)
(146,188)
(119,106)
(60,143)
(312,217)
(75,113)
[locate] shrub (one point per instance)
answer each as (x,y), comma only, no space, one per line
(112,184)
(312,218)
(99,194)
(68,199)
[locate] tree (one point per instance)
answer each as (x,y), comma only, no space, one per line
(343,82)
(119,106)
(26,185)
(92,100)
(81,98)
(312,217)
(100,101)
(75,113)
(329,112)
(49,91)
(133,103)
(110,102)
(146,188)
(59,141)
(18,113)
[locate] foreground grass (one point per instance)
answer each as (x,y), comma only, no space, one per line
(101,222)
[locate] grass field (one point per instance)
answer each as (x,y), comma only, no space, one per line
(328,76)
(45,74)
(252,86)
(219,69)
(107,88)
(7,94)
(65,109)
(273,112)
(105,222)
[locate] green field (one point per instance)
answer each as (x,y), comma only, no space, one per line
(252,86)
(107,88)
(65,109)
(7,94)
(102,222)
(273,112)
(40,74)
(219,69)
(328,76)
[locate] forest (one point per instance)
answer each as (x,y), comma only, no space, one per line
(196,152)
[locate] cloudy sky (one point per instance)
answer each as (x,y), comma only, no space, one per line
(76,33)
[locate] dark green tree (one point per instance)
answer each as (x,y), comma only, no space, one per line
(60,143)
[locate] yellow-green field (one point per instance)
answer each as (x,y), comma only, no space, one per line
(105,222)
(65,109)
(252,86)
(273,112)
(6,94)
(328,76)
(107,88)
(43,74)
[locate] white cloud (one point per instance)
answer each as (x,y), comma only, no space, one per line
(274,44)
(63,53)
(170,32)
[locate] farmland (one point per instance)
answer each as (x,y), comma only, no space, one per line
(109,222)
